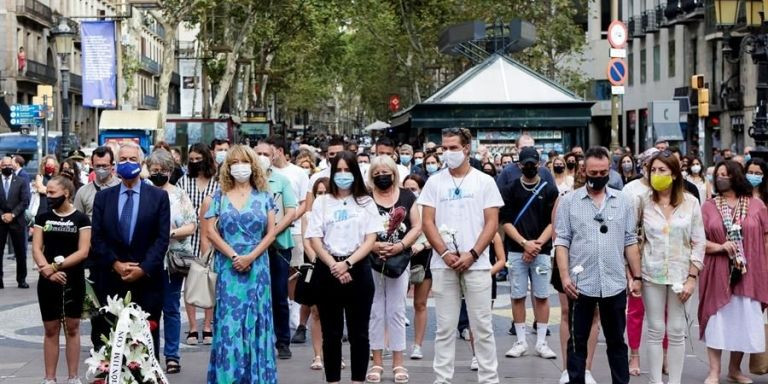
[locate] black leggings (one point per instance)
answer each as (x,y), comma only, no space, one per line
(354,300)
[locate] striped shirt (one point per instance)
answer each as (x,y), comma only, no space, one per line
(189,185)
(601,255)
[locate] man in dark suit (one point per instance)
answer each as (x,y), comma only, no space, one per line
(18,168)
(131,228)
(14,199)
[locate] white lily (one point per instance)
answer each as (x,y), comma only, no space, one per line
(677,288)
(58,259)
(95,361)
(577,269)
(115,305)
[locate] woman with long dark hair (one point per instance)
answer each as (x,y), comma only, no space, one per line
(199,183)
(628,168)
(732,286)
(697,176)
(342,229)
(756,169)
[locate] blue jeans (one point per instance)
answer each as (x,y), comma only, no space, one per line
(279,267)
(171,315)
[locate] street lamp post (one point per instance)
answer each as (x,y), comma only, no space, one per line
(63,36)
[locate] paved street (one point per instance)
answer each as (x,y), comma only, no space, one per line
(22,359)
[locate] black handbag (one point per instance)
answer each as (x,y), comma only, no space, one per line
(394,266)
(305,293)
(179,261)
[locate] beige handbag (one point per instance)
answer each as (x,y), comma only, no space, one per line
(200,288)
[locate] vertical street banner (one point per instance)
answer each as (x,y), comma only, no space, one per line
(99,64)
(191,94)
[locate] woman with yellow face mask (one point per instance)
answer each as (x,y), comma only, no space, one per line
(673,254)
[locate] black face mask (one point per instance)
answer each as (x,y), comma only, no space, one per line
(571,166)
(194,168)
(558,169)
(158,179)
(383,181)
(597,183)
(530,172)
(56,202)
(7,171)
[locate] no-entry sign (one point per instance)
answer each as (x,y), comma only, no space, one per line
(617,71)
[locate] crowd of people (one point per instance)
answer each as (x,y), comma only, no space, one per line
(336,238)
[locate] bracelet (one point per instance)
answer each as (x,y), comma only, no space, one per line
(637,278)
(447,251)
(692,276)
(474,254)
(402,245)
(54,267)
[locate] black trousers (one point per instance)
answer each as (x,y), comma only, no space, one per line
(16,233)
(354,301)
(279,267)
(614,321)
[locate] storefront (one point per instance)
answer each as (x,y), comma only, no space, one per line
(498,100)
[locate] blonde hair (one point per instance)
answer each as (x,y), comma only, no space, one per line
(41,166)
(244,154)
(386,162)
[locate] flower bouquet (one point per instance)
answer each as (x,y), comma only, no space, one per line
(394,265)
(127,356)
(449,237)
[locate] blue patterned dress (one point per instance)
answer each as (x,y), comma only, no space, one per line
(243,333)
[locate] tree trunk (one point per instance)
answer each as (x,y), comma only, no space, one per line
(206,96)
(229,72)
(265,77)
(169,56)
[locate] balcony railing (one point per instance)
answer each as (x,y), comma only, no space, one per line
(157,29)
(635,27)
(40,72)
(76,82)
(150,65)
(651,24)
(35,10)
(149,101)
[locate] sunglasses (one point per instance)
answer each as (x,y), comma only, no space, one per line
(603,226)
(458,131)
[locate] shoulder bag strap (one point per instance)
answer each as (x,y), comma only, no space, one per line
(528,203)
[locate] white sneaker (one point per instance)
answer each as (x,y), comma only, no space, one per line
(588,379)
(48,381)
(416,353)
(564,379)
(465,334)
(74,380)
(545,351)
(473,365)
(517,350)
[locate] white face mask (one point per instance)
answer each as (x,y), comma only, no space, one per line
(696,169)
(265,163)
(453,159)
(241,172)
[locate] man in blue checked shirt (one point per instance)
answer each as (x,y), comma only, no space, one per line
(595,233)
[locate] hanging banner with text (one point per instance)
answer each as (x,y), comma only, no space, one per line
(191,93)
(99,64)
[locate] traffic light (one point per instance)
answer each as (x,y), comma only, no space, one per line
(697,83)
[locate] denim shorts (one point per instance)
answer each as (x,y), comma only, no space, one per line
(537,271)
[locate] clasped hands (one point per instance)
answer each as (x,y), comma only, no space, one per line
(531,249)
(128,271)
(340,270)
(7,217)
(58,277)
(459,261)
(386,250)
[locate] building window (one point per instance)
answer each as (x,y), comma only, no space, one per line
(656,62)
(642,66)
(605,17)
(630,69)
(671,55)
(602,90)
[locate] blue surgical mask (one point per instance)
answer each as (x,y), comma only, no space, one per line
(343,180)
(128,170)
(405,159)
(747,158)
(709,178)
(220,157)
(418,161)
(432,168)
(755,180)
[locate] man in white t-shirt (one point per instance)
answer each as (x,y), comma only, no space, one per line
(386,147)
(460,262)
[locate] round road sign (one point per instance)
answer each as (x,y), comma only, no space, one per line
(617,72)
(617,34)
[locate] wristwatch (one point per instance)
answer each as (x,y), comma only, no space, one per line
(637,278)
(349,265)
(474,254)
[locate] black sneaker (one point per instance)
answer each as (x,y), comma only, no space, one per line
(300,337)
(283,352)
(535,327)
(512,331)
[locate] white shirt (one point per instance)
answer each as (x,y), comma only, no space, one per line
(404,172)
(342,224)
(462,212)
(317,176)
(299,183)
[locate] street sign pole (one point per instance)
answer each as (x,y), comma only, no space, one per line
(614,98)
(45,127)
(40,135)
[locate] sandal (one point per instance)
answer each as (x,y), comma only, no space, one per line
(374,374)
(172,366)
(317,364)
(634,371)
(207,337)
(193,338)
(401,375)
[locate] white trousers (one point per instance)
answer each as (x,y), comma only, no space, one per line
(386,329)
(659,299)
(447,291)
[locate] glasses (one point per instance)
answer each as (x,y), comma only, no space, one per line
(603,226)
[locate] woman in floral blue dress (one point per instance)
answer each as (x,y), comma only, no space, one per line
(243,335)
